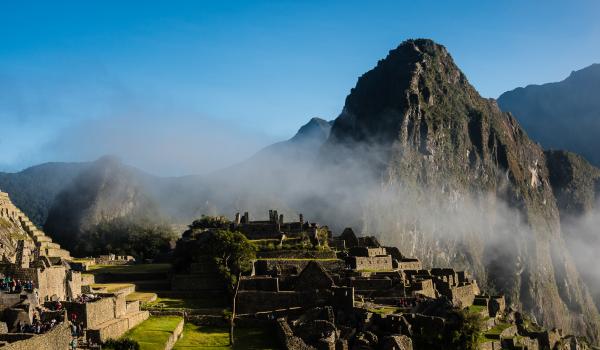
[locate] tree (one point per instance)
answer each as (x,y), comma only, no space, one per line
(233,255)
(467,331)
(141,238)
(206,222)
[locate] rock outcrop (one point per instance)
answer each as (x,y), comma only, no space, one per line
(432,142)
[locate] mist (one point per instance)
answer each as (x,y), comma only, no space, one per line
(582,234)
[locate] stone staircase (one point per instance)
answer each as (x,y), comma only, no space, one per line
(47,247)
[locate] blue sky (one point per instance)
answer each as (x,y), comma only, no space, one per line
(189,86)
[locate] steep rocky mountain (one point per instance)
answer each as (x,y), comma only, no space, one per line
(455,181)
(105,190)
(34,189)
(563,115)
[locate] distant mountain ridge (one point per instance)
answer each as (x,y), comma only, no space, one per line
(33,190)
(562,115)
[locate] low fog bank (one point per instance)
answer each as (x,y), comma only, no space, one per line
(159,145)
(582,235)
(348,188)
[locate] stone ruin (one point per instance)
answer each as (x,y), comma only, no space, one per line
(329,298)
(274,228)
(41,296)
(23,229)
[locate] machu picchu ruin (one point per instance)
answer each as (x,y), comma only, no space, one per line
(298,175)
(351,292)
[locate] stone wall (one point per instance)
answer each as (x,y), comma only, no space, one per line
(9,300)
(119,304)
(52,281)
(366,251)
(297,254)
(409,264)
(109,330)
(197,282)
(57,338)
(282,266)
(462,296)
(423,287)
(372,263)
(287,338)
(92,313)
(370,283)
(175,335)
(264,283)
(73,284)
(250,302)
(87,279)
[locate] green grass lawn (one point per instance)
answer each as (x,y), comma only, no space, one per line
(217,338)
(197,303)
(137,268)
(153,333)
(494,332)
(476,309)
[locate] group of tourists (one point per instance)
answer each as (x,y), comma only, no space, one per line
(12,285)
(37,326)
(86,298)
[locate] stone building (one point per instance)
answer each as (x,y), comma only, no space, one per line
(274,228)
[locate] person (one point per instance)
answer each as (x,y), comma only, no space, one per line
(80,329)
(73,329)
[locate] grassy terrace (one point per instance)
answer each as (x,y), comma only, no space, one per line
(153,333)
(493,333)
(124,269)
(476,309)
(143,297)
(111,287)
(217,338)
(180,304)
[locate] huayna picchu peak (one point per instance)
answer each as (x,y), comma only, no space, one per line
(434,141)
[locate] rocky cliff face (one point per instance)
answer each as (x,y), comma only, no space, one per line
(576,184)
(562,115)
(458,182)
(105,190)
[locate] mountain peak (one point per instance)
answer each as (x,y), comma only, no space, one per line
(415,74)
(316,129)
